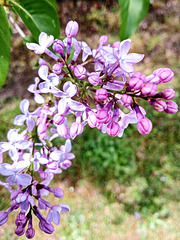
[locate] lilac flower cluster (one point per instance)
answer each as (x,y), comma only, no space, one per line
(71,96)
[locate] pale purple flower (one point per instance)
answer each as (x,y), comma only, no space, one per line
(54,213)
(16,141)
(120,55)
(63,153)
(28,117)
(14,173)
(70,90)
(44,42)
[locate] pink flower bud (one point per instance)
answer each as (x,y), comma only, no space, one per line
(116,44)
(42,62)
(80,72)
(57,68)
(63,131)
(102,115)
(103,40)
(171,108)
(94,79)
(168,93)
(137,80)
(126,100)
(144,126)
(149,89)
(58,46)
(65,164)
(101,94)
(76,129)
(164,74)
(159,105)
(58,119)
(92,119)
(72,29)
(113,129)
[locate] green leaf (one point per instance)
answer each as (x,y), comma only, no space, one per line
(132,13)
(4,46)
(38,16)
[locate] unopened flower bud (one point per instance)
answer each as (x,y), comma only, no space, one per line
(126,100)
(57,68)
(94,78)
(101,94)
(144,126)
(116,44)
(65,164)
(103,40)
(113,129)
(149,89)
(159,105)
(168,93)
(171,108)
(42,62)
(137,80)
(58,46)
(80,72)
(20,230)
(164,74)
(76,129)
(72,29)
(102,115)
(58,192)
(30,232)
(92,119)
(58,119)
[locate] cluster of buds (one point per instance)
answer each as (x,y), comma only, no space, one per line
(65,90)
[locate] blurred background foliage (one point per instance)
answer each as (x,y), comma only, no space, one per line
(131,183)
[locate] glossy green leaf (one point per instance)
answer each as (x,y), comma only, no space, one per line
(4,46)
(132,13)
(38,16)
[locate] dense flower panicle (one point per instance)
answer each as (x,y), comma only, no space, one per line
(68,90)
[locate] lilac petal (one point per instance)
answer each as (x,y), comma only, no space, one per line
(49,218)
(30,124)
(62,106)
(21,197)
(12,180)
(125,47)
(43,72)
(38,98)
(6,169)
(23,144)
(68,146)
(133,57)
(24,206)
(56,155)
(24,179)
(12,135)
(43,160)
(76,106)
(36,166)
(24,106)
(53,78)
(32,46)
(19,120)
(64,208)
(56,217)
(70,88)
(126,66)
(21,165)
(70,156)
(37,112)
(43,38)
(13,154)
